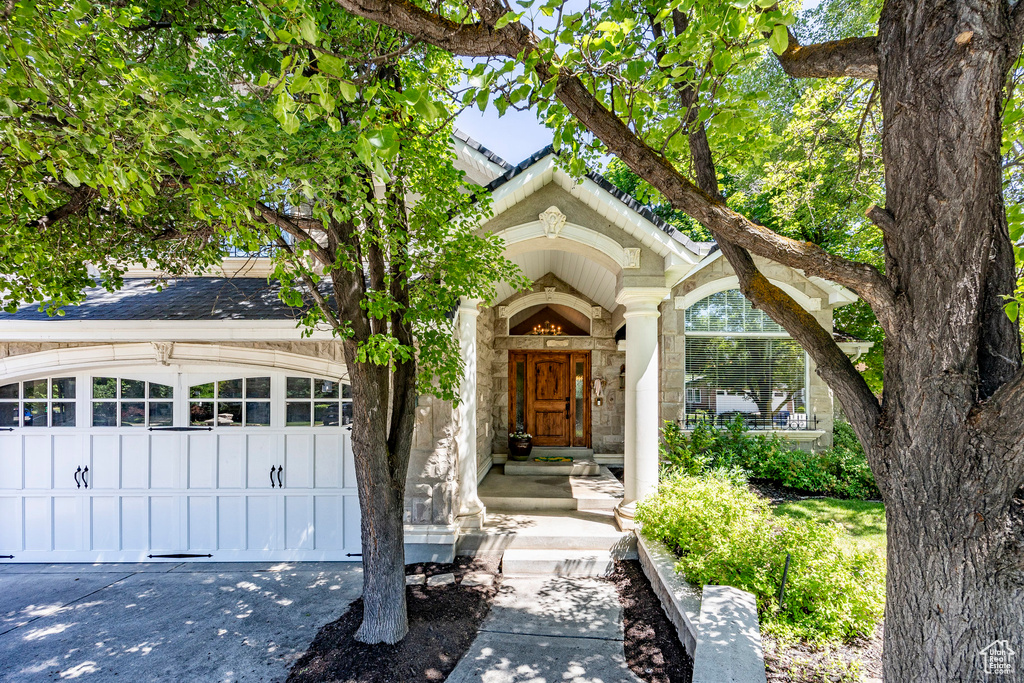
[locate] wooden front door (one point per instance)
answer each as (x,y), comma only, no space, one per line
(550,396)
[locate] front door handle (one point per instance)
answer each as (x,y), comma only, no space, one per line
(84,480)
(279,470)
(272,484)
(76,476)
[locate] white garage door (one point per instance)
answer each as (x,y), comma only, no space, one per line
(132,465)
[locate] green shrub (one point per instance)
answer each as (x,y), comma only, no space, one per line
(841,471)
(725,535)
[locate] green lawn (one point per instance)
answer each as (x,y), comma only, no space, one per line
(865,521)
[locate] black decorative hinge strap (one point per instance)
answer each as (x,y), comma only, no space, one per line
(179,556)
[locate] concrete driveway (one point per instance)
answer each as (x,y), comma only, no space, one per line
(166,622)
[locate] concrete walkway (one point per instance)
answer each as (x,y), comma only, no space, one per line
(549,630)
(166,622)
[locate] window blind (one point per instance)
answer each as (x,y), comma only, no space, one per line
(754,377)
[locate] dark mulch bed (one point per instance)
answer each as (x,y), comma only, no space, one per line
(653,650)
(443,621)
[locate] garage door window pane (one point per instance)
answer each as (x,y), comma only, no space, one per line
(295,387)
(257,387)
(9,391)
(104,387)
(131,388)
(8,414)
(35,389)
(63,414)
(201,413)
(35,414)
(133,414)
(346,413)
(104,414)
(231,388)
(201,391)
(326,389)
(63,387)
(257,413)
(161,414)
(297,414)
(229,414)
(160,390)
(325,414)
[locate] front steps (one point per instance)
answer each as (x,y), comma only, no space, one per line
(560,525)
(582,464)
(520,493)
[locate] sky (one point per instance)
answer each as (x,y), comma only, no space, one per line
(516,135)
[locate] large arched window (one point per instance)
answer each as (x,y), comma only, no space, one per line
(741,362)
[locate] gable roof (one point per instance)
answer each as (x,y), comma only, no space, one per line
(630,202)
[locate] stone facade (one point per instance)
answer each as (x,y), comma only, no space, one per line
(606,361)
(432,482)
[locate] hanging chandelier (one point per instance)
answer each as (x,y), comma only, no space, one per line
(547,330)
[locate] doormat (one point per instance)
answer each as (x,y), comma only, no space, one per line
(553,458)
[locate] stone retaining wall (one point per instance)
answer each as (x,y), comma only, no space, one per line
(718,625)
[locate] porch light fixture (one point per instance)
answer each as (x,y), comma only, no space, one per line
(547,330)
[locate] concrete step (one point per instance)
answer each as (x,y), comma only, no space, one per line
(576,468)
(569,530)
(575,453)
(500,492)
(520,562)
(507,500)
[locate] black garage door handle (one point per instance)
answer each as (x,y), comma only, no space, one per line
(85,472)
(279,470)
(272,484)
(76,476)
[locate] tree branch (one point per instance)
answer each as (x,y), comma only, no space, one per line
(514,39)
(281,221)
(80,198)
(853,57)
(1016,32)
(833,365)
(320,299)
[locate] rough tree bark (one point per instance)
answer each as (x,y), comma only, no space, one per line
(947,442)
(383,405)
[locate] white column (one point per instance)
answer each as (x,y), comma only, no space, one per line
(471,509)
(643,407)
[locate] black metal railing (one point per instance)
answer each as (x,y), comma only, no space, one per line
(781,420)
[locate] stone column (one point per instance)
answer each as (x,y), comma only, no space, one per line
(642,426)
(471,509)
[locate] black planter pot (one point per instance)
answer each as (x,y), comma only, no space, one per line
(519,449)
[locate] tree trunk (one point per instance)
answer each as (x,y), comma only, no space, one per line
(380,477)
(947,483)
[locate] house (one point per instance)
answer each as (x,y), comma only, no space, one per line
(196,421)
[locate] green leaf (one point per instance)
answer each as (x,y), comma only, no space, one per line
(331,65)
(72,178)
(779,40)
(348,91)
(308,30)
(1012,310)
(507,18)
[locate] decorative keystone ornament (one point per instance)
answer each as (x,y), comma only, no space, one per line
(553,221)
